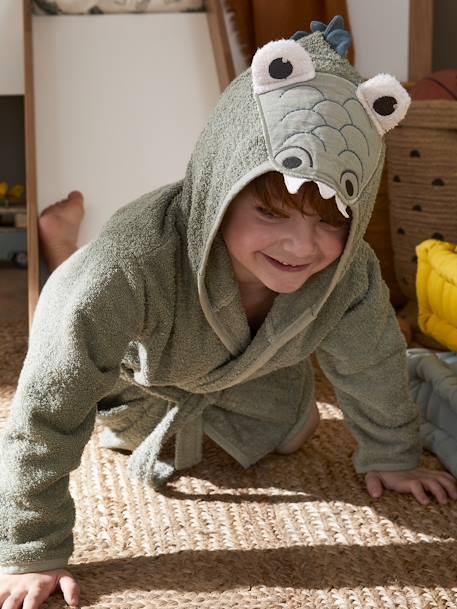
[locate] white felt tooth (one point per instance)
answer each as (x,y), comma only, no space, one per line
(293,184)
(326,191)
(342,207)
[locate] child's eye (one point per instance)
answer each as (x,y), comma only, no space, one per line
(266,212)
(329,226)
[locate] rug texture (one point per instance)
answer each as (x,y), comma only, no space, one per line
(294,531)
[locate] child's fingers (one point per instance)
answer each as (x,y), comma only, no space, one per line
(14,601)
(448,476)
(419,493)
(70,588)
(374,485)
(3,596)
(449,482)
(36,598)
(435,487)
(450,486)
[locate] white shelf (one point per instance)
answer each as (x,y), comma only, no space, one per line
(13,209)
(11,229)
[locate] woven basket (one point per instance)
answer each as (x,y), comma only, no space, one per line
(422,177)
(378,236)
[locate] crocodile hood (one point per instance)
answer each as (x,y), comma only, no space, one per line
(301,109)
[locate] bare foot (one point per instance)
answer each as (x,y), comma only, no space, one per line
(58,227)
(293,444)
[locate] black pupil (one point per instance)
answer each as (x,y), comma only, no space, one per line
(280,68)
(385,105)
(349,188)
(291,162)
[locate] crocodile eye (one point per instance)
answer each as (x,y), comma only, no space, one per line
(385,101)
(294,158)
(385,105)
(280,68)
(350,184)
(279,63)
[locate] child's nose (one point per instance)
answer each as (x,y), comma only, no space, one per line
(300,239)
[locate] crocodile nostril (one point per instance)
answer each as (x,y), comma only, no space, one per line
(292,162)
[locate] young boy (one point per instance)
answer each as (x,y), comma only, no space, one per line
(197,308)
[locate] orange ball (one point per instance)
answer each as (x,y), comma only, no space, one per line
(441,84)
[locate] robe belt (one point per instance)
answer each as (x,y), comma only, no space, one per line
(185,419)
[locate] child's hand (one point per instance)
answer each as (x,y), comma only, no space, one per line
(30,590)
(418,482)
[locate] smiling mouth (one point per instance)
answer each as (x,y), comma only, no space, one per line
(284,266)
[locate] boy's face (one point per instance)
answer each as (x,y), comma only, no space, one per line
(279,253)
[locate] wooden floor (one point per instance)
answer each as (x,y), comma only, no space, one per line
(13,293)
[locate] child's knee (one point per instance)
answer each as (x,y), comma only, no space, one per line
(293,444)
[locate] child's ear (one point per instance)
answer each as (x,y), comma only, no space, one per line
(385,100)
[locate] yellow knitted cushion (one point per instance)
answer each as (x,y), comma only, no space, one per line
(437,291)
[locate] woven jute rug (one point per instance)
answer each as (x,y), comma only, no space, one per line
(294,531)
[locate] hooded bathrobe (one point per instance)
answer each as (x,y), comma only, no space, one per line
(144,327)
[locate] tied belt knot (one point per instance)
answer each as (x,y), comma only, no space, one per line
(183,419)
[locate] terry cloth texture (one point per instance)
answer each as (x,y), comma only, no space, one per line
(145,328)
(433,381)
(437,291)
(298,531)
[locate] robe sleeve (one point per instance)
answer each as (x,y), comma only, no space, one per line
(364,357)
(91,307)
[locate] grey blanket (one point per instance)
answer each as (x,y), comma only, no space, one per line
(433,382)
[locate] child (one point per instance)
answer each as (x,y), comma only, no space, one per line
(197,308)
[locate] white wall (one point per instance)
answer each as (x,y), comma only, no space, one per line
(381,36)
(11,50)
(120,101)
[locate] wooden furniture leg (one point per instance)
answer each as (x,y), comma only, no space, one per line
(219,39)
(33,279)
(420,38)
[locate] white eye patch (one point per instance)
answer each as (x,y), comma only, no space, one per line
(280,63)
(385,100)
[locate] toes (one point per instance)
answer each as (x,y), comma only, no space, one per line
(75,194)
(47,221)
(47,209)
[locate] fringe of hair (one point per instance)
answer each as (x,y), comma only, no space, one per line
(271,189)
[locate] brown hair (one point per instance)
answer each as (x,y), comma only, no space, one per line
(270,189)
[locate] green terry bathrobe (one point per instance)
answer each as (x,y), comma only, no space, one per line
(144,326)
